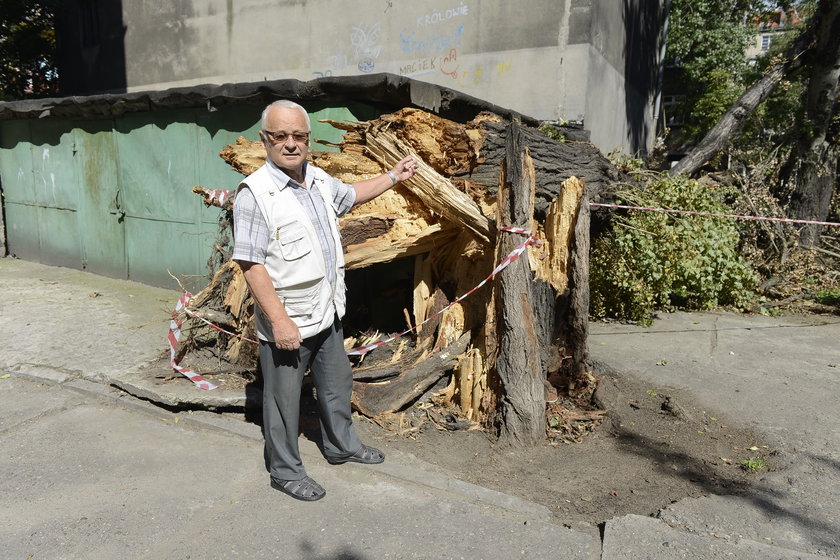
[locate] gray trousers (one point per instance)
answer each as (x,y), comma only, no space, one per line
(283,372)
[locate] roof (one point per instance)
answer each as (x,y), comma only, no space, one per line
(383,89)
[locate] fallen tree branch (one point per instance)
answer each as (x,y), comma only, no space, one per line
(435,190)
(372,399)
(826,251)
(733,120)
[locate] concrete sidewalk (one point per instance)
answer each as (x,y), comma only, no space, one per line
(779,375)
(89,471)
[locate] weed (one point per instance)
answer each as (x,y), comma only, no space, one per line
(828,297)
(552,130)
(753,464)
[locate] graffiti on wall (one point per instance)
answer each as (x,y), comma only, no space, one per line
(362,50)
(437,16)
(432,42)
(418,43)
(366,47)
(465,75)
(436,39)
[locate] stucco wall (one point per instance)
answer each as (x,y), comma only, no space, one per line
(550,59)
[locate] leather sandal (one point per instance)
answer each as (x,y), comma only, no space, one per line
(304,489)
(365,455)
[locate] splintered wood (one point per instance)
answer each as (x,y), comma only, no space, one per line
(445,219)
(557,235)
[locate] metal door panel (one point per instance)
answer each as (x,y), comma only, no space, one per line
(154,249)
(157,165)
(101,214)
(53,166)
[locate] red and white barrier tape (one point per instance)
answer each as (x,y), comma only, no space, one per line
(175,337)
(195,315)
(218,197)
(715,215)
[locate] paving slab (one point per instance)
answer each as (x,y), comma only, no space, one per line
(796,509)
(142,383)
(23,403)
(635,537)
(76,323)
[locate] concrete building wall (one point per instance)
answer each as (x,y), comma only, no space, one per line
(550,59)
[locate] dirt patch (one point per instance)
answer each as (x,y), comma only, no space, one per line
(653,448)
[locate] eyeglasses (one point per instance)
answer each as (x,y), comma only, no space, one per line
(281,137)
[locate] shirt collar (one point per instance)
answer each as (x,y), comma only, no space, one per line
(282,180)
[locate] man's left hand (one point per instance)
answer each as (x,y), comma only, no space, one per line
(405,168)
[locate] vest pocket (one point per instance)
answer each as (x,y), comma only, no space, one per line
(301,305)
(294,242)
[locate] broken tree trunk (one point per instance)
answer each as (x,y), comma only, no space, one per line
(577,332)
(522,406)
(554,162)
(373,399)
(434,190)
(504,340)
(733,120)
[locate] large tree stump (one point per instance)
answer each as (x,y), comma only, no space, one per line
(522,404)
(555,162)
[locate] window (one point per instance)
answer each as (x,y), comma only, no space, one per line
(765,42)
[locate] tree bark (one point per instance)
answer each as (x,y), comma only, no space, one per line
(734,119)
(554,161)
(522,405)
(812,166)
(579,289)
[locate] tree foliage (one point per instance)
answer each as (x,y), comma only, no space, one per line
(707,41)
(711,35)
(28,49)
(651,260)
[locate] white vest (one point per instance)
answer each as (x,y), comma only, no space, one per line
(295,261)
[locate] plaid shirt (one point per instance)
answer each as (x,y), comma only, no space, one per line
(251,234)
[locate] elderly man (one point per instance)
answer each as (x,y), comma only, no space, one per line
(288,245)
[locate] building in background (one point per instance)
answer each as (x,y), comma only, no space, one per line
(590,61)
(780,22)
